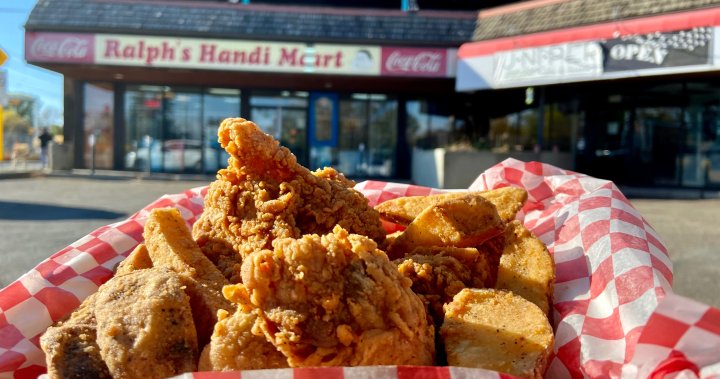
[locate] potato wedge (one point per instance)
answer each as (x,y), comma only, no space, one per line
(138,259)
(463,222)
(496,330)
(403,210)
(170,245)
(526,267)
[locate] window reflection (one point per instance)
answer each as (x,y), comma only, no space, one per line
(143,127)
(218,104)
(367,137)
(283,115)
(98,123)
(162,128)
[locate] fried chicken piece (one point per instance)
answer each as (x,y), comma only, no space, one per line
(264,194)
(336,300)
(71,349)
(236,346)
(439,273)
(144,325)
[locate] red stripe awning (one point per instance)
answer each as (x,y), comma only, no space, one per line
(662,23)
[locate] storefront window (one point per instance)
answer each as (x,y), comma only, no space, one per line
(367,137)
(428,126)
(659,128)
(182,149)
(382,138)
(98,125)
(283,115)
(701,155)
(163,131)
(218,104)
(143,127)
(560,118)
(514,132)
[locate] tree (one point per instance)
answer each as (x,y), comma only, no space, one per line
(14,124)
(50,117)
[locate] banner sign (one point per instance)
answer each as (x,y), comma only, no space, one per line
(404,61)
(548,62)
(659,53)
(59,47)
(637,52)
(235,55)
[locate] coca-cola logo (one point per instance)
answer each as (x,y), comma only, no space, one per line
(67,48)
(423,62)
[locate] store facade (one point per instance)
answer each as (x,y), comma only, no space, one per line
(149,102)
(635,101)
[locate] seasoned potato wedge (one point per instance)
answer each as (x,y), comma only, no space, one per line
(403,210)
(170,245)
(138,259)
(463,222)
(496,330)
(526,267)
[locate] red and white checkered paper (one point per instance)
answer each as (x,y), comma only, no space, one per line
(614,311)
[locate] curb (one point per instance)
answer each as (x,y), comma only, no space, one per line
(21,175)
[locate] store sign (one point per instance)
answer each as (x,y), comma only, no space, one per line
(674,49)
(547,63)
(59,47)
(235,55)
(414,62)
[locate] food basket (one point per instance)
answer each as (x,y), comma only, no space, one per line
(614,311)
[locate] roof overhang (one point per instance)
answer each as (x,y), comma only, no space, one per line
(658,45)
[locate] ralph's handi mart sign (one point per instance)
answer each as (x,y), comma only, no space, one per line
(236,55)
(660,45)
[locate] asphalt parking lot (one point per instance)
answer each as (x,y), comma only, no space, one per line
(39,216)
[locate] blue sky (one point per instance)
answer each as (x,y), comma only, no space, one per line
(24,78)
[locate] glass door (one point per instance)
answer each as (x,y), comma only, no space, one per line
(283,115)
(659,133)
(356,134)
(218,104)
(182,146)
(144,128)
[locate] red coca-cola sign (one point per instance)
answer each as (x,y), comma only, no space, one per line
(59,47)
(408,61)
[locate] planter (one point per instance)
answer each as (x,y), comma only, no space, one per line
(440,168)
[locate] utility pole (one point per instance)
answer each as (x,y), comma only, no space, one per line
(3,99)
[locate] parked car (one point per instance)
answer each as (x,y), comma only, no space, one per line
(175,155)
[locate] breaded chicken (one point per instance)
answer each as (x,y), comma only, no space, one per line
(144,325)
(264,194)
(440,273)
(336,300)
(234,346)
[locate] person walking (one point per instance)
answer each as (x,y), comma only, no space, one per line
(45,137)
